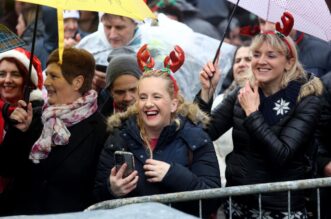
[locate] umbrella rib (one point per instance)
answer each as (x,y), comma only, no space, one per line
(267,18)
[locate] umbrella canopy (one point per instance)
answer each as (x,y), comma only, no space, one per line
(136,9)
(9,40)
(312,17)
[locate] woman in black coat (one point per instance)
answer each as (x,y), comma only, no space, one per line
(272,117)
(53,160)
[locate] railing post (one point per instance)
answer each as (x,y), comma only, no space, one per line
(289,203)
(200,208)
(318,203)
(260,206)
(230,206)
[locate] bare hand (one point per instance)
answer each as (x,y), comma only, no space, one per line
(327,170)
(99,80)
(22,116)
(70,42)
(155,170)
(121,186)
(249,98)
(209,77)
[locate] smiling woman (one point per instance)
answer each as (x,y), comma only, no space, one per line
(164,133)
(272,116)
(55,154)
(13,73)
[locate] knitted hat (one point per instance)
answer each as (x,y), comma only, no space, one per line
(123,61)
(23,56)
(70,14)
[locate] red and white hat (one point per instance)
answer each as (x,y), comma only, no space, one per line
(23,56)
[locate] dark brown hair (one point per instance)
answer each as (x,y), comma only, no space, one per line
(75,62)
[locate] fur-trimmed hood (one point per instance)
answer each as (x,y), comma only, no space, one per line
(187,110)
(312,86)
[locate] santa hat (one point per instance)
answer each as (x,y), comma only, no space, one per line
(23,56)
(70,14)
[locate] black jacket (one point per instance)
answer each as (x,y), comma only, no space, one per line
(263,153)
(64,181)
(324,127)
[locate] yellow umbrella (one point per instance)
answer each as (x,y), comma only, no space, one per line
(136,9)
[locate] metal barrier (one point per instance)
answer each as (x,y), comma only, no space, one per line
(224,192)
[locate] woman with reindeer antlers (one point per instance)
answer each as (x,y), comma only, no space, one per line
(172,153)
(273,117)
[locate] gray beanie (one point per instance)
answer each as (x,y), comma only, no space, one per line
(123,64)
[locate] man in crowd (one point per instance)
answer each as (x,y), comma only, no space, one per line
(115,32)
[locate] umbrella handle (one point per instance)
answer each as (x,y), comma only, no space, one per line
(26,86)
(226,30)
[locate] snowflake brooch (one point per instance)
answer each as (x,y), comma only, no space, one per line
(281,107)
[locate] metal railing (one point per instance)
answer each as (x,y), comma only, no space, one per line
(224,192)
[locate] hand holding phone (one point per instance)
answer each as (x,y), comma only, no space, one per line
(122,157)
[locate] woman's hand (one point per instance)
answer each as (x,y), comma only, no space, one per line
(121,186)
(155,170)
(209,77)
(249,98)
(22,116)
(99,80)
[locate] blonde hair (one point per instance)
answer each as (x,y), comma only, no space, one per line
(287,49)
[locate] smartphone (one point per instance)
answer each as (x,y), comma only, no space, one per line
(122,157)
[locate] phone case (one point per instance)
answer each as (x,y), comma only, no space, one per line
(122,157)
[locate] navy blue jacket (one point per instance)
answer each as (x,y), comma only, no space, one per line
(173,147)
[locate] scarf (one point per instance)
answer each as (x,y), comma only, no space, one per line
(56,119)
(278,105)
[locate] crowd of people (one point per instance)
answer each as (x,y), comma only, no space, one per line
(62,123)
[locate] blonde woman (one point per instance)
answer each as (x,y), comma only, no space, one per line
(172,153)
(272,117)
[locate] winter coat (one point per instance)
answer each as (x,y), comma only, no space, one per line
(63,182)
(175,144)
(266,153)
(315,55)
(324,126)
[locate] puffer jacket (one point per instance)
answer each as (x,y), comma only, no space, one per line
(264,153)
(175,144)
(324,126)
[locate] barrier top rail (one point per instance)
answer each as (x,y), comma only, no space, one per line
(216,193)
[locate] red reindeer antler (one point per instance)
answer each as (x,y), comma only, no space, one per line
(175,60)
(288,21)
(144,58)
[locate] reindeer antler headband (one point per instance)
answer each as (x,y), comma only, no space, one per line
(171,62)
(283,32)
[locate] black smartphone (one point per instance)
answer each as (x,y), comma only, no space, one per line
(102,68)
(122,157)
